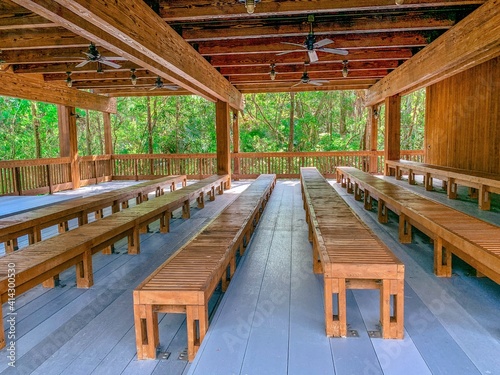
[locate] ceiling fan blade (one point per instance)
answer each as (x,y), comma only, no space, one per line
(171,87)
(83,63)
(298,83)
(313,56)
(114,58)
(284,53)
(294,44)
(110,63)
(322,43)
(315,83)
(152,88)
(334,50)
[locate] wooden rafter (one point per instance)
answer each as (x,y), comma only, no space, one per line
(472,41)
(115,27)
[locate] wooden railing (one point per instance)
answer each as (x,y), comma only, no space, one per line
(42,176)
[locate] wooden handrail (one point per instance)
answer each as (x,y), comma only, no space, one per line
(31,176)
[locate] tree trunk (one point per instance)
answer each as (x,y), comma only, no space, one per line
(88,133)
(100,135)
(36,128)
(150,125)
(177,119)
(291,122)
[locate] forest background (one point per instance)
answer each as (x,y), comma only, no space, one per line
(305,121)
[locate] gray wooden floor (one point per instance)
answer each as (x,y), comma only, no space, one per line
(270,320)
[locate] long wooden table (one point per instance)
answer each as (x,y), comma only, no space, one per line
(350,256)
(32,222)
(42,261)
(471,239)
(481,184)
(187,280)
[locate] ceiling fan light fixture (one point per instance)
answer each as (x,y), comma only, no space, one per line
(133,77)
(273,72)
(69,81)
(399,2)
(345,71)
(250,5)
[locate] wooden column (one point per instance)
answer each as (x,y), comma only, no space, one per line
(68,140)
(223,138)
(108,141)
(236,142)
(373,115)
(392,129)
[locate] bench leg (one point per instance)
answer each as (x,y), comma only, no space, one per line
(316,261)
(442,259)
(357,192)
(146,331)
(411,177)
(197,325)
(134,242)
(211,194)
(11,245)
(201,200)
(367,200)
(349,186)
(84,274)
(165,222)
(428,182)
(186,212)
(484,198)
(473,193)
(404,229)
(452,189)
(392,325)
(35,236)
(124,204)
(336,324)
(108,250)
(383,216)
(99,214)
(398,173)
(343,181)
(52,282)
(63,227)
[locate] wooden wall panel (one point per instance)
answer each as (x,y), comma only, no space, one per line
(463,119)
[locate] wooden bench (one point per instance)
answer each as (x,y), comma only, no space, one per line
(42,261)
(350,256)
(453,232)
(480,184)
(186,281)
(32,222)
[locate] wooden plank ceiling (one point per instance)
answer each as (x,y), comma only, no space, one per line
(378,36)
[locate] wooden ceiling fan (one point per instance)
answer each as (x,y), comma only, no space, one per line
(306,80)
(93,55)
(312,46)
(160,85)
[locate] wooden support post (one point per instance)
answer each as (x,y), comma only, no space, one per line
(236,143)
(392,129)
(373,141)
(223,139)
(84,274)
(197,325)
(68,140)
(392,325)
(165,222)
(134,241)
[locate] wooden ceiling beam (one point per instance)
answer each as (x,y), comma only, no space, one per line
(364,23)
(49,55)
(350,41)
(374,75)
(144,40)
(53,37)
(94,76)
(472,41)
(299,57)
(299,88)
(28,87)
(183,10)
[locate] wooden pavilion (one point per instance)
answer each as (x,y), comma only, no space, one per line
(85,53)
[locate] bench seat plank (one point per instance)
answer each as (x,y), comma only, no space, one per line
(350,256)
(185,282)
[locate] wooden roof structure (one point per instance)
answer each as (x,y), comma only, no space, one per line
(219,51)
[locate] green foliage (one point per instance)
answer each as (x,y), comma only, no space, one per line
(322,121)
